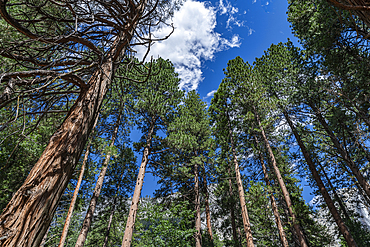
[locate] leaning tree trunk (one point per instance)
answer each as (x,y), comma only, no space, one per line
(338,220)
(99,184)
(246,223)
(127,238)
(28,215)
(343,152)
(281,182)
(75,194)
(275,210)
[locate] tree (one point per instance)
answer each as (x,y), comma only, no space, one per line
(79,34)
(225,133)
(189,134)
(154,103)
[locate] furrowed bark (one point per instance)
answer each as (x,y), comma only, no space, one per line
(329,202)
(127,238)
(246,222)
(281,182)
(275,210)
(99,184)
(28,215)
(75,194)
(343,152)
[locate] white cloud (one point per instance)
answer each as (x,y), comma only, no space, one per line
(250,31)
(210,94)
(193,41)
(227,8)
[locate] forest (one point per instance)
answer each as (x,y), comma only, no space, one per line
(72,92)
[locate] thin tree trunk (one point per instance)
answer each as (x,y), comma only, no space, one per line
(338,220)
(99,184)
(75,194)
(232,213)
(275,210)
(343,152)
(246,223)
(112,214)
(28,214)
(281,182)
(198,235)
(127,238)
(339,200)
(208,211)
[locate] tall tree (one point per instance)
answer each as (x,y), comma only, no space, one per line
(154,103)
(69,34)
(190,135)
(225,133)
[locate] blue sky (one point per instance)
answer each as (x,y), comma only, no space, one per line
(210,33)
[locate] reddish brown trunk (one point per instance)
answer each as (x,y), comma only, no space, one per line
(281,182)
(338,220)
(208,211)
(28,215)
(75,194)
(127,238)
(275,210)
(343,152)
(99,184)
(198,235)
(246,223)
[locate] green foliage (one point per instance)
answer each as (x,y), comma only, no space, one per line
(161,226)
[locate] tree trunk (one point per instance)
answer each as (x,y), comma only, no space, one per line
(339,200)
(99,184)
(198,235)
(338,220)
(127,238)
(281,182)
(75,194)
(275,210)
(343,152)
(246,223)
(208,211)
(28,215)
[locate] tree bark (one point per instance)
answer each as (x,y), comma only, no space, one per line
(208,211)
(198,235)
(274,207)
(99,184)
(127,238)
(75,194)
(342,151)
(246,222)
(28,215)
(281,182)
(338,220)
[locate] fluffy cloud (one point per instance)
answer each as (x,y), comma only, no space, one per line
(193,41)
